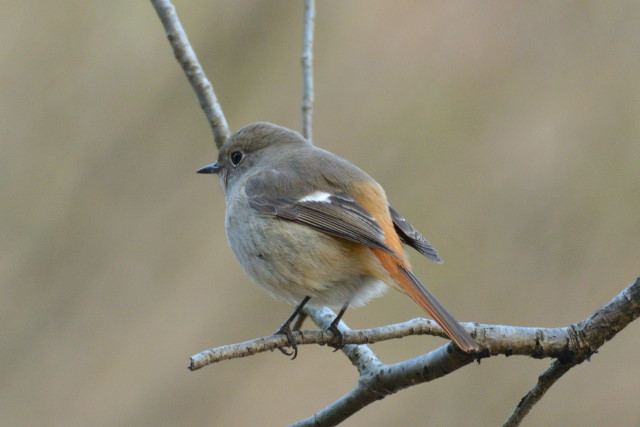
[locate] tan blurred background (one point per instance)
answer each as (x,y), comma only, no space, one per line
(507,132)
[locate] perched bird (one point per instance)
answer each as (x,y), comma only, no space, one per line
(310,227)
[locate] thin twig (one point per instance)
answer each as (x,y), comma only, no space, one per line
(307,68)
(545,381)
(189,62)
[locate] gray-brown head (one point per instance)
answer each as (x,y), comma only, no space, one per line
(259,142)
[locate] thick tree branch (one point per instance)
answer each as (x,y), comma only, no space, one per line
(383,380)
(189,62)
(581,340)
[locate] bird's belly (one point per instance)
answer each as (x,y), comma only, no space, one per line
(292,261)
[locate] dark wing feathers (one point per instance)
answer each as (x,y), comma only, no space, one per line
(339,216)
(271,192)
(412,237)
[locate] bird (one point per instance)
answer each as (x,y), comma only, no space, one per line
(309,227)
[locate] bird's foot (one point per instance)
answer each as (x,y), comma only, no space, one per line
(333,328)
(285,330)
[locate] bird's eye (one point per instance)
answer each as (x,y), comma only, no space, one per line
(236,158)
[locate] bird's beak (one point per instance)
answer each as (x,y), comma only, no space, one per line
(212,168)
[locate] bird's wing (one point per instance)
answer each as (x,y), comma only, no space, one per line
(412,237)
(332,212)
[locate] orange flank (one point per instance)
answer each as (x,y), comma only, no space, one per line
(400,270)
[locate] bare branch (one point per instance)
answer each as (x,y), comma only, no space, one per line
(592,333)
(189,62)
(322,316)
(307,68)
(387,379)
(258,345)
(581,340)
(497,339)
(545,381)
(574,342)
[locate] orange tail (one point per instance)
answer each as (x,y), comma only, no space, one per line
(425,299)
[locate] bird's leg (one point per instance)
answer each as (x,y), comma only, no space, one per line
(297,325)
(334,327)
(285,329)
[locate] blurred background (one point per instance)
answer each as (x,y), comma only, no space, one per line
(507,132)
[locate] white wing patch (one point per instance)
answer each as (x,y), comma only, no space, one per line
(316,196)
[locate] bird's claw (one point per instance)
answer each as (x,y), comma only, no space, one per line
(333,328)
(286,331)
